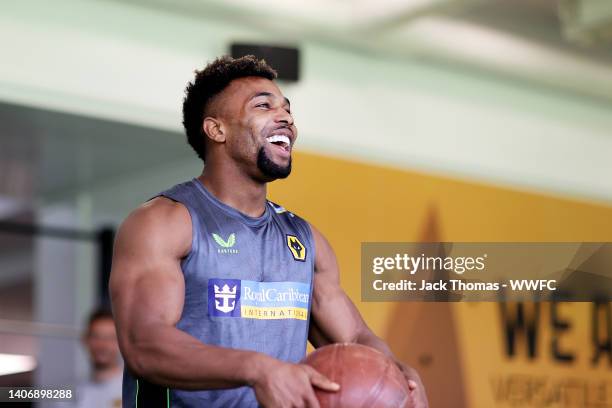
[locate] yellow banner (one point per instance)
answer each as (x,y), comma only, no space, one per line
(271,313)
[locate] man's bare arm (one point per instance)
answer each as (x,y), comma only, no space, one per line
(335,319)
(147,292)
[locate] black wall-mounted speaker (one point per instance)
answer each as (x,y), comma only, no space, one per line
(285,60)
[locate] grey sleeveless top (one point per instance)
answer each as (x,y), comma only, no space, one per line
(248,285)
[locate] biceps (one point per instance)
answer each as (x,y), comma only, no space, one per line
(145,295)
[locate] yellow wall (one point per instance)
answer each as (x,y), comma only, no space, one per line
(354,202)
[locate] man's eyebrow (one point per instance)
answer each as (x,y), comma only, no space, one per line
(268,94)
(260,94)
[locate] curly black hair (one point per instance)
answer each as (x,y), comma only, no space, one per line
(208,83)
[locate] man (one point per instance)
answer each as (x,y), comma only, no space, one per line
(215,289)
(100,340)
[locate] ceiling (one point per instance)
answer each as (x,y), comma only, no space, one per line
(562,43)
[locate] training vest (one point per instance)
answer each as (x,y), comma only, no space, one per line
(248,285)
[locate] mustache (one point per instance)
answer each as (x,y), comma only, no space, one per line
(282,127)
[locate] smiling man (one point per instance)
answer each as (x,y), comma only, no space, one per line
(216,290)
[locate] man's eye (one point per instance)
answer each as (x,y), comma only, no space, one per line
(264,105)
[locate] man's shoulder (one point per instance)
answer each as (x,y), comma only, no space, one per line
(280,210)
(159,222)
(293,220)
(161,209)
(161,215)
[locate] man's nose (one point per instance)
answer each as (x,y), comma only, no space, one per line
(284,117)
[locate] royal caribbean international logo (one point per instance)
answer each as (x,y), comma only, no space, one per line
(224,297)
(226,246)
(258,300)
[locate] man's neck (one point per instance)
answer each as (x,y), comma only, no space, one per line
(234,188)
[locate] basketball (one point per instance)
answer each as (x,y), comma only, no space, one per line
(366,376)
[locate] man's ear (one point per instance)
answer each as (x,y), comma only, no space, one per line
(214,129)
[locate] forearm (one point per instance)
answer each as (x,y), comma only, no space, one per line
(171,357)
(367,338)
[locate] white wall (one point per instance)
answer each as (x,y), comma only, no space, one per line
(127,63)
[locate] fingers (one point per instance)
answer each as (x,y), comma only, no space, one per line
(320,381)
(411,376)
(418,398)
(311,400)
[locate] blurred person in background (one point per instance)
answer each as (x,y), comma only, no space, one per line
(103,389)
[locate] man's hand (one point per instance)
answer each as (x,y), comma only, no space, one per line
(284,385)
(415,385)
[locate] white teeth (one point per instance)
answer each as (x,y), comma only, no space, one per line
(279,138)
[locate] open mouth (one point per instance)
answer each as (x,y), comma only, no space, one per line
(281,141)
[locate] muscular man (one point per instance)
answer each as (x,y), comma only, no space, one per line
(216,290)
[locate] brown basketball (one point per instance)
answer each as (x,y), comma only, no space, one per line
(366,376)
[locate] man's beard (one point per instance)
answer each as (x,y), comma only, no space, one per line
(271,169)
